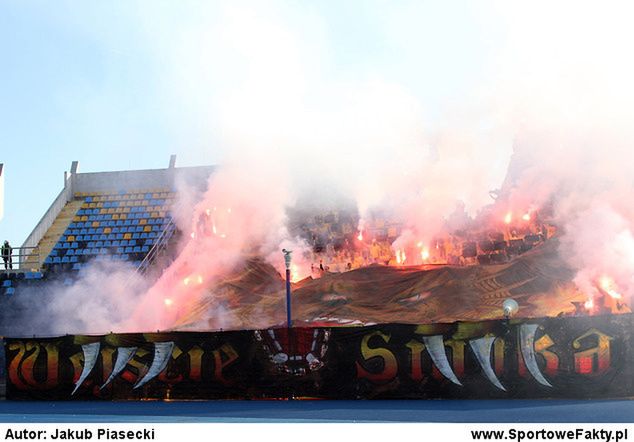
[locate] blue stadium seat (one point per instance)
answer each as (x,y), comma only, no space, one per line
(149,242)
(124,242)
(145,249)
(115,243)
(128,249)
(77,266)
(10,291)
(74,245)
(70,252)
(6,283)
(74,259)
(125,257)
(65,259)
(135,236)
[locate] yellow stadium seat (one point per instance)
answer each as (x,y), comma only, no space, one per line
(123,216)
(107,230)
(154,215)
(84,218)
(155,196)
(111,210)
(127,236)
(142,222)
(95,223)
(147,229)
(76,219)
(115,217)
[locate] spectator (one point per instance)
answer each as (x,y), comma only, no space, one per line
(6,256)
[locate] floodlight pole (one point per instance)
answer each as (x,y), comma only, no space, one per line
(287,261)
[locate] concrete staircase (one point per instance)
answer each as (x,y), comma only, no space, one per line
(52,235)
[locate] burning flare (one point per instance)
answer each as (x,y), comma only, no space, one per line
(608,285)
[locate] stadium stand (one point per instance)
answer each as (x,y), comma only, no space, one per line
(123,216)
(117,226)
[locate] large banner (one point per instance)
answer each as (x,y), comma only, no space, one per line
(572,357)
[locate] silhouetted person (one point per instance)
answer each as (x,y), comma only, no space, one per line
(6,256)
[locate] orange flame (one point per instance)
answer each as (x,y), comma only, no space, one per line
(424,254)
(589,304)
(186,281)
(526,217)
(400,257)
(608,285)
(360,235)
(168,302)
(508,218)
(200,279)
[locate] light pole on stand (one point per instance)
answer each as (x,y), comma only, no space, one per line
(289,321)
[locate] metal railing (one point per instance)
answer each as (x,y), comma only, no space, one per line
(159,246)
(22,259)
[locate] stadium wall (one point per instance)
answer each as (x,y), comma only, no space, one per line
(570,357)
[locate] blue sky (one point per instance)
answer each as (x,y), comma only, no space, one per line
(123,84)
(97,81)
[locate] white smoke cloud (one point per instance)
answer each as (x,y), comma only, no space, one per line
(265,92)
